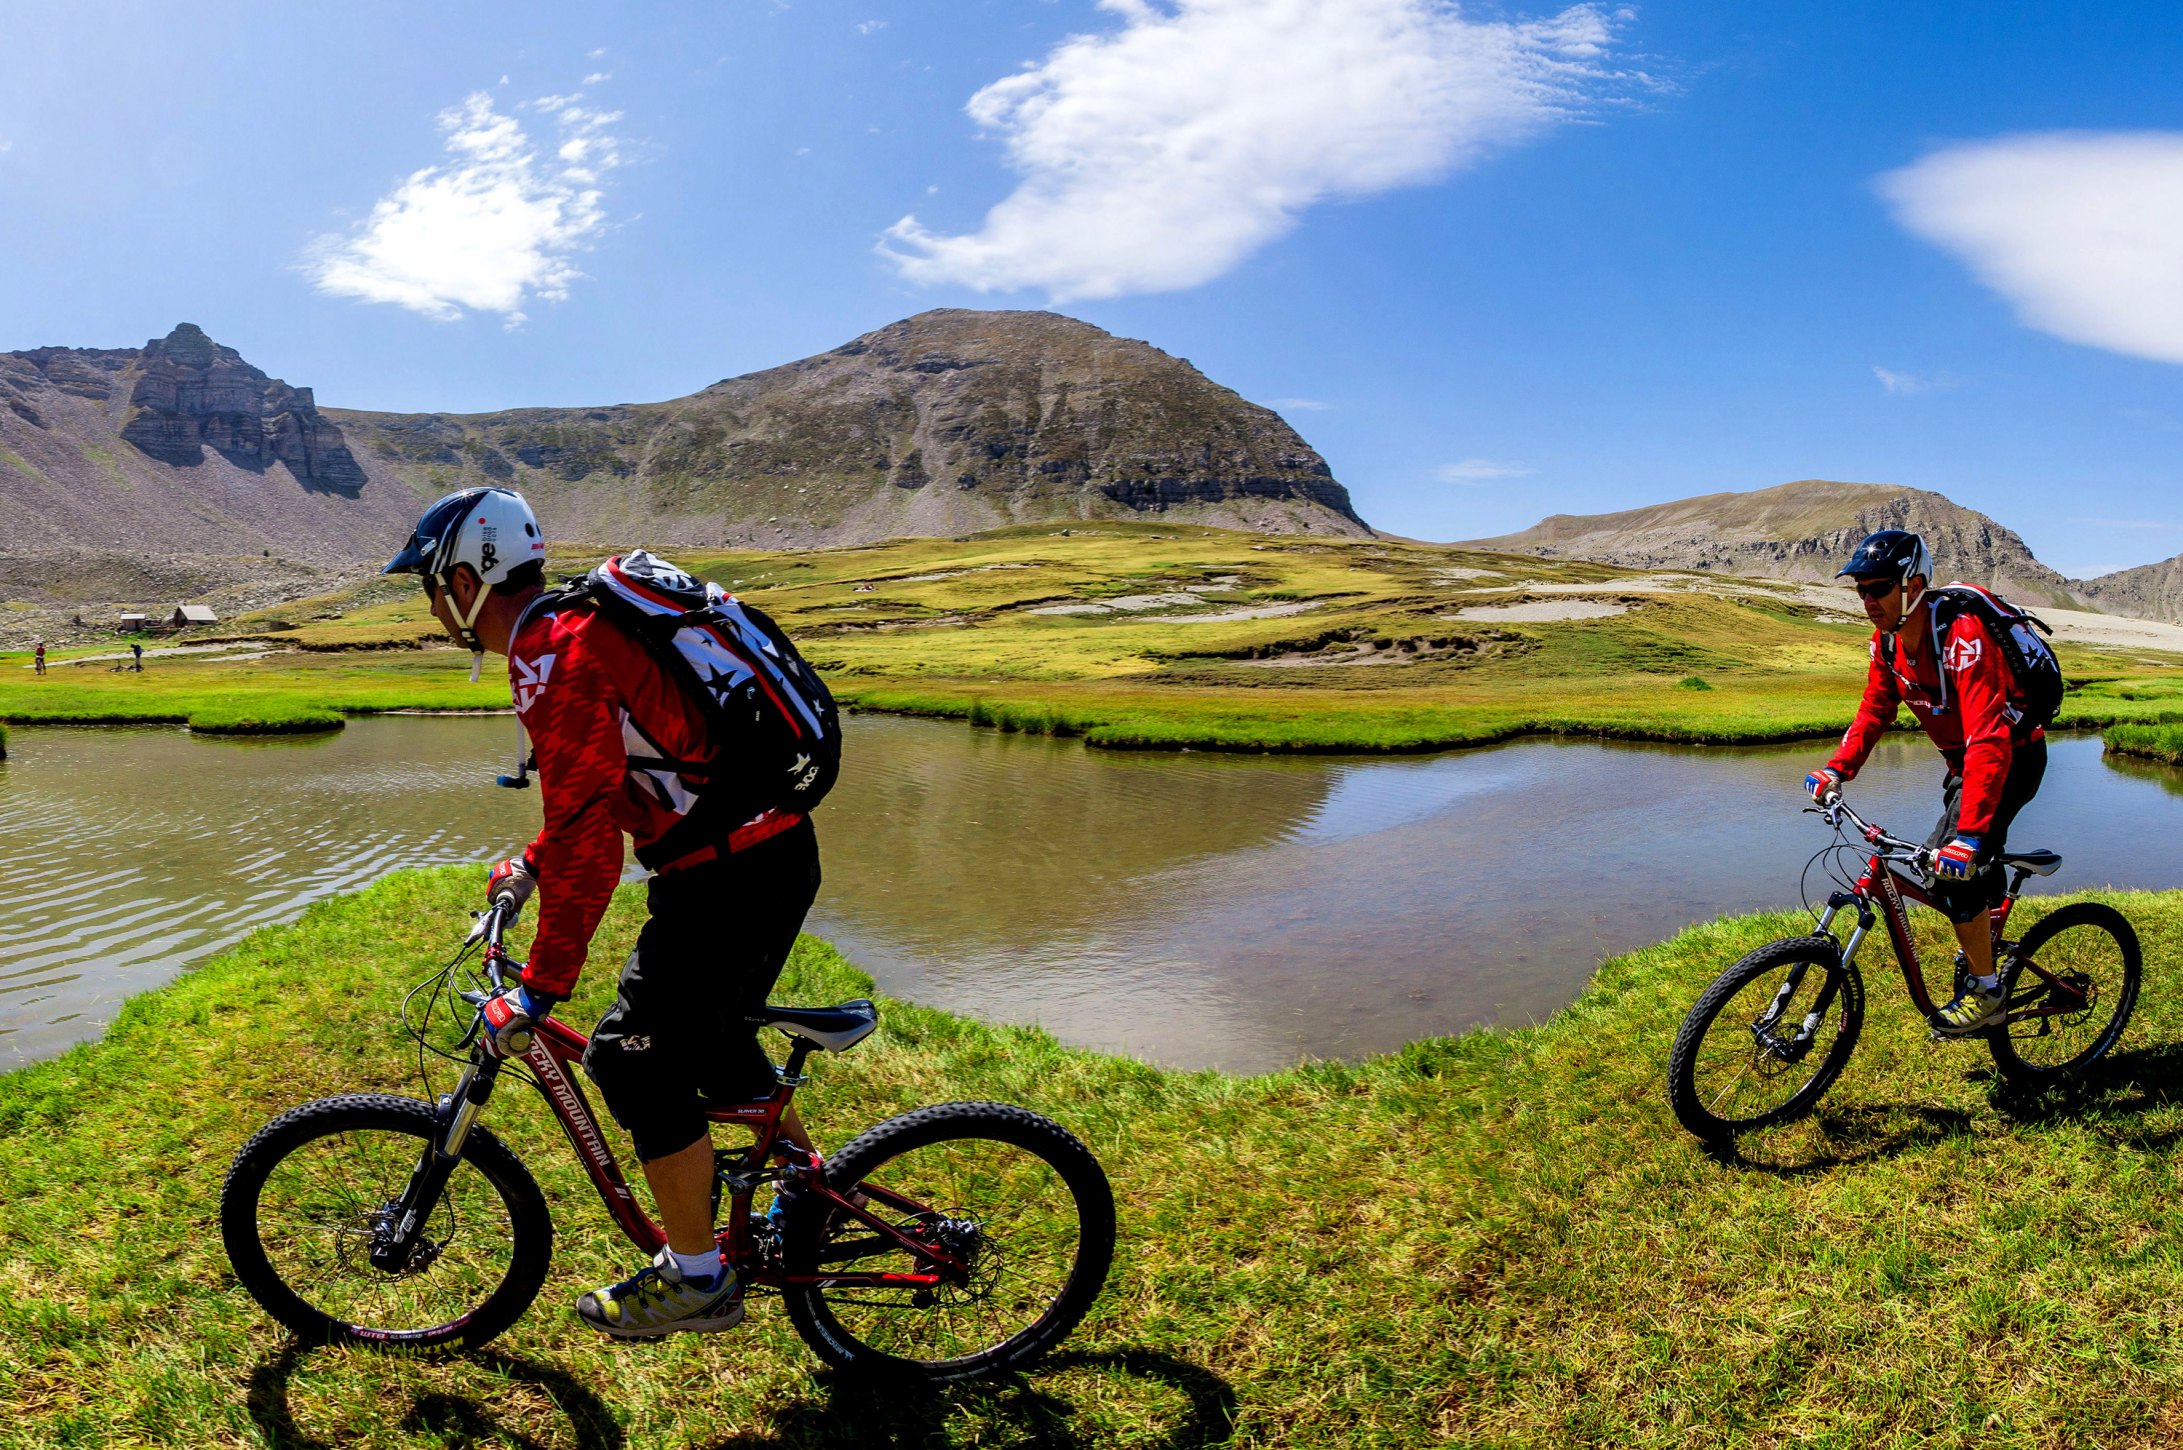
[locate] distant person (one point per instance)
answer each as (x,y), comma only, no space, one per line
(1942,653)
(40,657)
(136,647)
(626,746)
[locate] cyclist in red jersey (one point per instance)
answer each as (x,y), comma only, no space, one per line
(727,897)
(1960,688)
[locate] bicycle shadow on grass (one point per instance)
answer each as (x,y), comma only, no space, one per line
(2112,1095)
(449,1419)
(1835,1138)
(859,1414)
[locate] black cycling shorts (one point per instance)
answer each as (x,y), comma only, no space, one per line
(676,1038)
(1962,901)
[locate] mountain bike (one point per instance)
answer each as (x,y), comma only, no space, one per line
(947,1243)
(1770,1035)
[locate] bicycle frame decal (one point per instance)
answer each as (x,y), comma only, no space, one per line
(554,1045)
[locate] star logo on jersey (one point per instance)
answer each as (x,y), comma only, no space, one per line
(1963,653)
(530,680)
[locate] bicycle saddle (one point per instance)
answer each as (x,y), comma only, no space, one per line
(837,1029)
(2038,863)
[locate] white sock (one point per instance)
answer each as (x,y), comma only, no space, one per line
(702,1268)
(1988,983)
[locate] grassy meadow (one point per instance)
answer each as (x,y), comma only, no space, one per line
(1150,636)
(1499,1240)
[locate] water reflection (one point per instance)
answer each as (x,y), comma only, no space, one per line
(1203,910)
(128,852)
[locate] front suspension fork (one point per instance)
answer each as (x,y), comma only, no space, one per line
(458,1111)
(1846,953)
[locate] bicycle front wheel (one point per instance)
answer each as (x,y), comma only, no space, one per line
(1767,1039)
(2071,983)
(1011,1195)
(314,1191)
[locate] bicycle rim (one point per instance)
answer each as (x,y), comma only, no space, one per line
(1745,1057)
(2093,955)
(310,1198)
(1024,1209)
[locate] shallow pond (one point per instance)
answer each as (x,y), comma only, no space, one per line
(1193,909)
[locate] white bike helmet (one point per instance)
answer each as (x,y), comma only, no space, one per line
(491,529)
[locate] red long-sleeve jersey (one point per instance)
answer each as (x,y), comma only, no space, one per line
(608,726)
(1961,691)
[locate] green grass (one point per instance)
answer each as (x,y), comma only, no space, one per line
(2152,742)
(1497,1239)
(316,687)
(272,717)
(1385,657)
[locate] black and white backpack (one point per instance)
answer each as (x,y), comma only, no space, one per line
(778,729)
(2015,632)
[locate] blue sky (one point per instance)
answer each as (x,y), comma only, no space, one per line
(1493,263)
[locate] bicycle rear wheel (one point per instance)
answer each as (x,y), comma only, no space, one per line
(1746,1056)
(1012,1195)
(312,1192)
(2078,970)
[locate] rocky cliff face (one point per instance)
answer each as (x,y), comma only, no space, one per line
(944,423)
(190,394)
(1796,531)
(128,463)
(178,449)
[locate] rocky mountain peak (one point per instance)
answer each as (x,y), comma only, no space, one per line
(946,422)
(191,393)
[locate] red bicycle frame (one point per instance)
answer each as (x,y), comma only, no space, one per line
(555,1046)
(1891,888)
(555,1050)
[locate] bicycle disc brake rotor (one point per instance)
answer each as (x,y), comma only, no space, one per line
(356,1241)
(1775,1051)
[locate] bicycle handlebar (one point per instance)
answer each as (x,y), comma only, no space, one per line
(1891,846)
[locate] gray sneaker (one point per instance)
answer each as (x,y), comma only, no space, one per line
(1973,1010)
(658,1302)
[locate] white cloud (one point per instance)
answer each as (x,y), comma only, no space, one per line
(1478,470)
(866,27)
(2077,230)
(598,77)
(1160,155)
(489,228)
(1905,385)
(1296,405)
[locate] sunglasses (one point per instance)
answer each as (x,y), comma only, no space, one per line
(1878,588)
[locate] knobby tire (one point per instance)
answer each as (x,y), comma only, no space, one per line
(329,1224)
(839,1323)
(1807,1080)
(2083,933)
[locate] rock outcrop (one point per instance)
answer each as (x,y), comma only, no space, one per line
(944,423)
(191,393)
(1795,531)
(179,450)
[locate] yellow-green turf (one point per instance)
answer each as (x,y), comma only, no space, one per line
(1374,656)
(1501,1239)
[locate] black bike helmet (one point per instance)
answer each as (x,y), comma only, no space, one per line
(1889,554)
